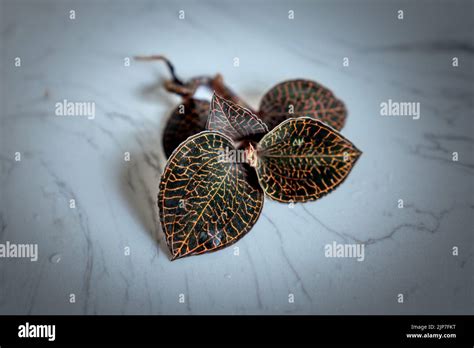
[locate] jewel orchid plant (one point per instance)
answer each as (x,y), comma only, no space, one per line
(292,151)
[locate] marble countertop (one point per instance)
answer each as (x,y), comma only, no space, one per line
(83,251)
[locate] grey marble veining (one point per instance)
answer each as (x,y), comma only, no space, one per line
(408,251)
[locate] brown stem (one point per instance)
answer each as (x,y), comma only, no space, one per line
(168,63)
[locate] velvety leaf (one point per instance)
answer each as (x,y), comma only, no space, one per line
(187,119)
(206,202)
(219,87)
(297,98)
(190,117)
(303,159)
(233,120)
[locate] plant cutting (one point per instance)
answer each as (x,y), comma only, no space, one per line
(293,153)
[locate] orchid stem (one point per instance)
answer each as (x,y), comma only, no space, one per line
(168,63)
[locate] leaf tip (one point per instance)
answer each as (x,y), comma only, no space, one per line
(357,152)
(175,256)
(215,96)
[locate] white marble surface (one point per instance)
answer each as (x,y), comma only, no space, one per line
(407,251)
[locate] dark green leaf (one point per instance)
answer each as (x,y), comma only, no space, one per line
(233,120)
(206,203)
(187,119)
(190,117)
(303,159)
(301,98)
